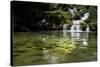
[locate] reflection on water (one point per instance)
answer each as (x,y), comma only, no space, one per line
(85,40)
(80,37)
(75,36)
(49,57)
(54,47)
(64,33)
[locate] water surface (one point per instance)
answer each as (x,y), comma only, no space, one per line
(50,47)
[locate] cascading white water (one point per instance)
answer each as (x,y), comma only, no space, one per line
(86,15)
(87,29)
(76,23)
(76,26)
(64,27)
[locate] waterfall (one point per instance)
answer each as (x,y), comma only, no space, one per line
(87,29)
(76,26)
(65,27)
(76,23)
(86,15)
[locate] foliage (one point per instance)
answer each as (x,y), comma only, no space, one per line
(27,16)
(83,26)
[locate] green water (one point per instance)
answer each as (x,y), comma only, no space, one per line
(53,47)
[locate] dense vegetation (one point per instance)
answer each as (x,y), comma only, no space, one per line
(28,16)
